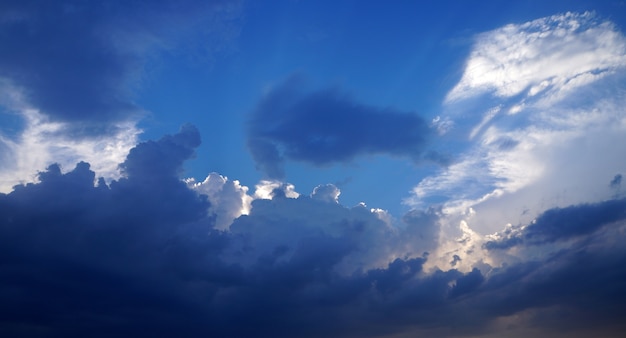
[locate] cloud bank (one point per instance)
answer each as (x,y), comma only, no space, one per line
(144,255)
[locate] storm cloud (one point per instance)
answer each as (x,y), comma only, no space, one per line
(142,255)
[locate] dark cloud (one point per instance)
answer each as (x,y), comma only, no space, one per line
(562,224)
(165,156)
(141,257)
(616,182)
(80,60)
(578,291)
(82,259)
(327,126)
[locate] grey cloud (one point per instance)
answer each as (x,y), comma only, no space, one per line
(616,182)
(164,157)
(327,126)
(562,224)
(576,290)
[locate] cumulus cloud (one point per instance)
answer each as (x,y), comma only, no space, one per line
(142,250)
(142,255)
(229,199)
(146,253)
(326,192)
(327,126)
(276,227)
(72,246)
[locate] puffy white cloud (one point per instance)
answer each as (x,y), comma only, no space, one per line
(266,189)
(229,199)
(326,192)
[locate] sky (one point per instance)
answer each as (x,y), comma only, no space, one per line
(298,168)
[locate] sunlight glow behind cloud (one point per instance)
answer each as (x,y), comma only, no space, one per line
(44,142)
(515,223)
(540,71)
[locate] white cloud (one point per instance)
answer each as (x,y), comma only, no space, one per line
(43,142)
(326,192)
(265,188)
(229,199)
(552,55)
(552,132)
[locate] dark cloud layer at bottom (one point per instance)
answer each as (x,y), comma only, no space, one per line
(140,258)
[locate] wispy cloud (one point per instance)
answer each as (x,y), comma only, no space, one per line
(550,110)
(552,56)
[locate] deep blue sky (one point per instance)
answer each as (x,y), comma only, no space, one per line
(405,57)
(312,168)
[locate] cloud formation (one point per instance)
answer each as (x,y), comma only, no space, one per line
(538,106)
(229,199)
(552,56)
(43,142)
(561,224)
(142,255)
(150,254)
(71,69)
(327,126)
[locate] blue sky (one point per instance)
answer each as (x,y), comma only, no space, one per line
(313,168)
